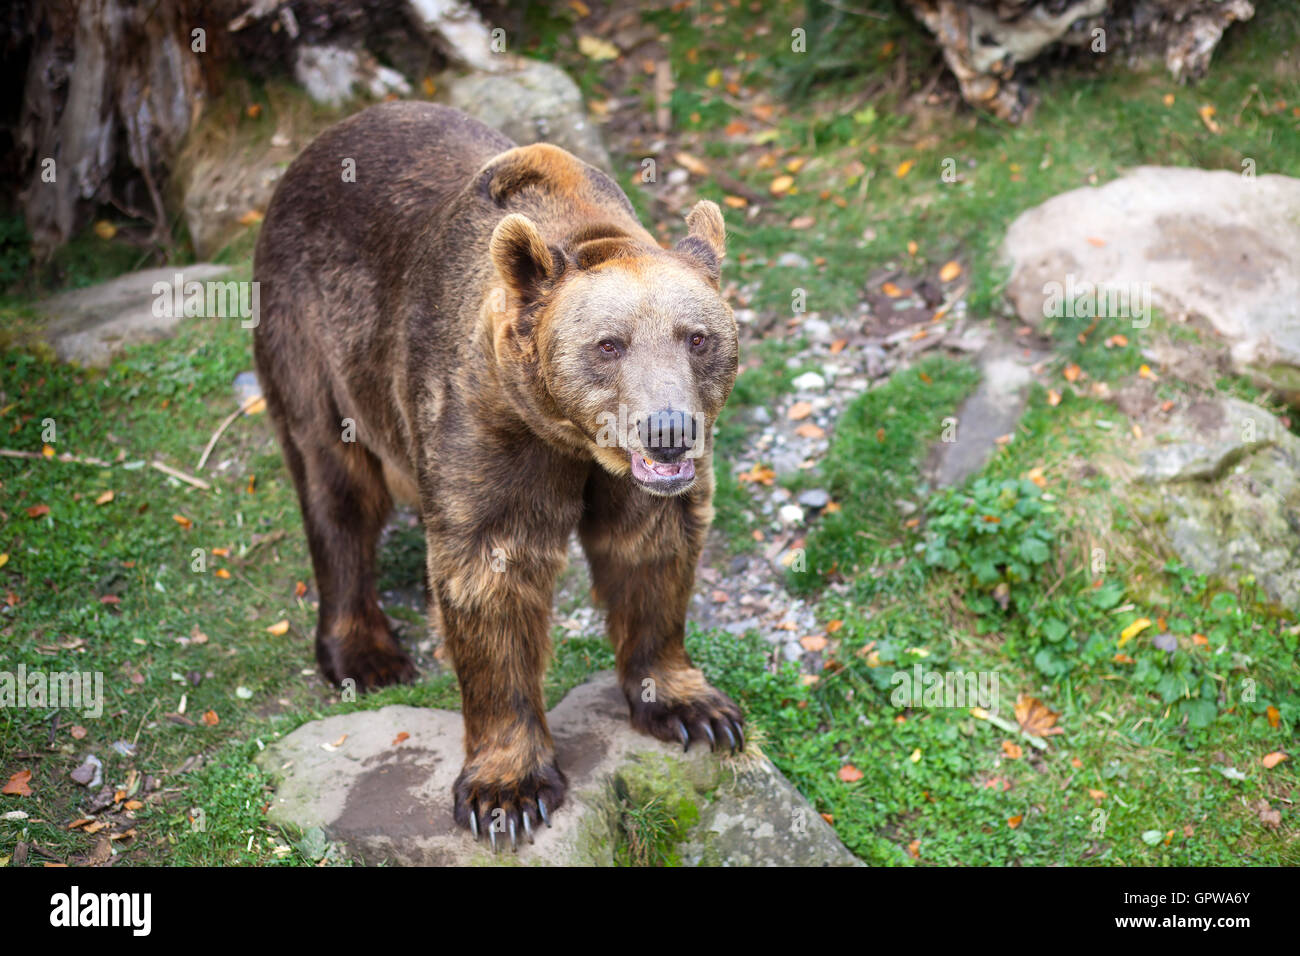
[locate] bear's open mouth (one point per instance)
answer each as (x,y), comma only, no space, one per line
(662,477)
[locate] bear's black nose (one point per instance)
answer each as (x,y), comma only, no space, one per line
(667,434)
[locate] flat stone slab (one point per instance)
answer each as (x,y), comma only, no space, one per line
(389,802)
(991,411)
(93,324)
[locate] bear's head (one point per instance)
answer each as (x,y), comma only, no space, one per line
(632,349)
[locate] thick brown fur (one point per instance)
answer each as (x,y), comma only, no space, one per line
(477,311)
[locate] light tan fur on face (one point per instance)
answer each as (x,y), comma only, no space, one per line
(653,306)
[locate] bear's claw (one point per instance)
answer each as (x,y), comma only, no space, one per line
(482,806)
(705,718)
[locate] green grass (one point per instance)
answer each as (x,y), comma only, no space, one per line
(1144,773)
(874,462)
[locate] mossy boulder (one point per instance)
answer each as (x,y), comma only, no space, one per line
(383,794)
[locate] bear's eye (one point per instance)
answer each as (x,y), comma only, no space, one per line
(609,347)
(697,341)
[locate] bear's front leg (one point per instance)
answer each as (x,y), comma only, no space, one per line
(643,551)
(492,570)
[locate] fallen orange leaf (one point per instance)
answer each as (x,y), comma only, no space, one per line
(799,411)
(17,785)
(1272,760)
(278,628)
(1036,718)
(1015,821)
(849,773)
(950,271)
(1012,749)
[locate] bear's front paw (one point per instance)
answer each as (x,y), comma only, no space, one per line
(371,663)
(708,715)
(507,807)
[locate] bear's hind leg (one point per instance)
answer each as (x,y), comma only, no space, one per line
(344,505)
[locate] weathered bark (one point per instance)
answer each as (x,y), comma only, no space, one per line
(111,88)
(983,41)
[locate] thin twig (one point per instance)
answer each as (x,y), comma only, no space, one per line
(249,403)
(65,458)
(180,475)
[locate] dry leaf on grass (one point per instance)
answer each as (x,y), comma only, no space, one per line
(17,785)
(1036,718)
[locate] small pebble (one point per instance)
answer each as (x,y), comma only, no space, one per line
(809,382)
(791,514)
(814,498)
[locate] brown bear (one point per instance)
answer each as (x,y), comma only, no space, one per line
(487,331)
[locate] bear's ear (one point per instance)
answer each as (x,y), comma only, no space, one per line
(522,257)
(706,243)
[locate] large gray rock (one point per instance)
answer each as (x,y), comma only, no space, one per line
(1219,245)
(93,324)
(1224,479)
(390,802)
(532,102)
